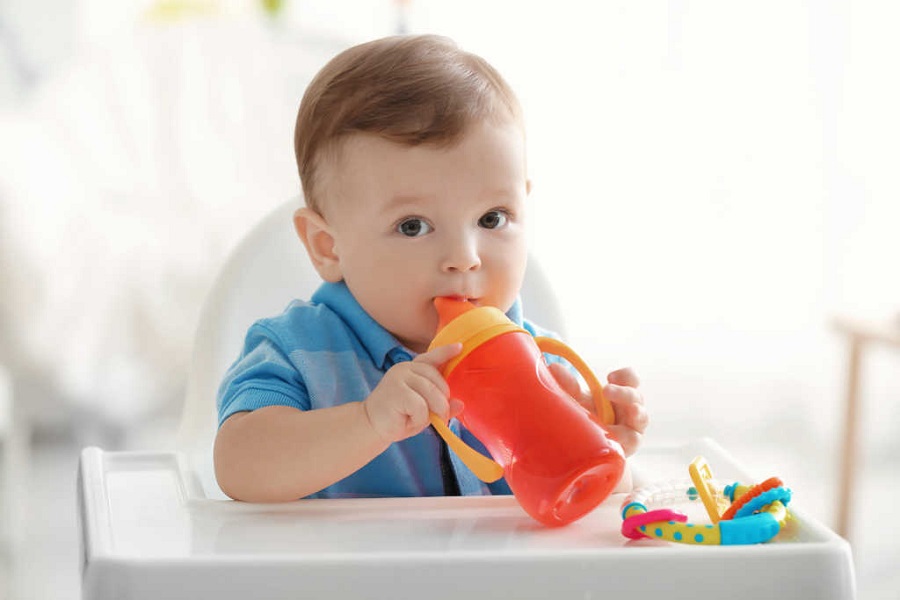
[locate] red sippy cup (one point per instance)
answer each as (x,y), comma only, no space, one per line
(555,455)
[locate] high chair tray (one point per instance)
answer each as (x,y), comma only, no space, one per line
(148,531)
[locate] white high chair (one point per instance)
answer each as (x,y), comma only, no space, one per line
(156,525)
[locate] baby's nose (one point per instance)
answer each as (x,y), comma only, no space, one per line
(462,256)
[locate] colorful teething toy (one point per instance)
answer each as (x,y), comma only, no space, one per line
(739,514)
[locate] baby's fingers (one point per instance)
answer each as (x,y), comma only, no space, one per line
(436,357)
(429,386)
(627,437)
(625,376)
(628,405)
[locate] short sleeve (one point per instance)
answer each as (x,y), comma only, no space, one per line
(263,375)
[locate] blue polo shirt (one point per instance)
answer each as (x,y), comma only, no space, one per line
(328,352)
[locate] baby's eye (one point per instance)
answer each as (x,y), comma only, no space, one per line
(413,227)
(493,219)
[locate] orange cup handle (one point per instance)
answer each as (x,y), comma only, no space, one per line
(601,404)
(484,468)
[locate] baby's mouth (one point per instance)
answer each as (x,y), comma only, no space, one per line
(462,298)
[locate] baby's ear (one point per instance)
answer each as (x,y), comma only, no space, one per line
(316,235)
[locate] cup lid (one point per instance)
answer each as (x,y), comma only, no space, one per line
(461,321)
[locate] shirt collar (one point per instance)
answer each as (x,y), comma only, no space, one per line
(382,346)
(377,340)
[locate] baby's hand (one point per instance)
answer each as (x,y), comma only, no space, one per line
(626,400)
(400,404)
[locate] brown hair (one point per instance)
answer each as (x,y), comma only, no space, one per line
(408,89)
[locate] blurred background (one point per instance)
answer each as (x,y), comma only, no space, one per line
(715,198)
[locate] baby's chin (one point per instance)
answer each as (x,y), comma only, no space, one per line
(416,346)
(417,341)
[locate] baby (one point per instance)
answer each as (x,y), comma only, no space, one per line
(411,154)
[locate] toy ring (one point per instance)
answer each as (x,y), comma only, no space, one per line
(732,491)
(779,494)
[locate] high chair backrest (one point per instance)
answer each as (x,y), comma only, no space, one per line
(267,270)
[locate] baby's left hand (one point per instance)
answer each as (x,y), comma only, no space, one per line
(626,400)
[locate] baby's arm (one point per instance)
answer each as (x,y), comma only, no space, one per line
(624,396)
(280,453)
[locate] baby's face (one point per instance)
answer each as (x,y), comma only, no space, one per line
(414,223)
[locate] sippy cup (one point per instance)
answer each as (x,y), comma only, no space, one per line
(555,455)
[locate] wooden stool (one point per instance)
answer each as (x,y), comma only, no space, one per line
(860,334)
